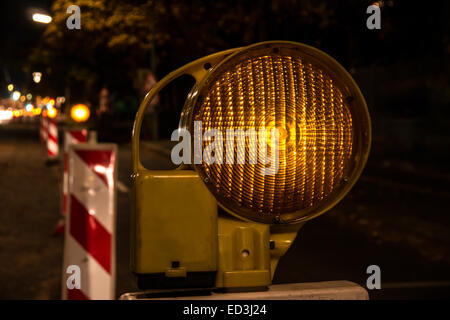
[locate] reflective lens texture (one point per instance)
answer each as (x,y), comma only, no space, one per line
(312,112)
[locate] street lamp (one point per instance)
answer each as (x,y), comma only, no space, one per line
(37,77)
(15,95)
(42,18)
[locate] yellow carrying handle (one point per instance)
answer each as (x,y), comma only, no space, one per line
(195,69)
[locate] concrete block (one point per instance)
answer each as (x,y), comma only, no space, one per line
(326,290)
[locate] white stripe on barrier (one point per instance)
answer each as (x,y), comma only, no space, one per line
(65,183)
(43,129)
(71,137)
(52,129)
(91,191)
(52,147)
(52,140)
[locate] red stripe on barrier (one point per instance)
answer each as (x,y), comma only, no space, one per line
(90,234)
(79,135)
(53,138)
(99,162)
(76,294)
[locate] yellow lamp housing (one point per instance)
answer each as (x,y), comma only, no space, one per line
(180,238)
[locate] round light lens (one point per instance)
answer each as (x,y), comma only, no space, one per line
(322,122)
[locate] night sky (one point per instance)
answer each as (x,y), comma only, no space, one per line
(18,35)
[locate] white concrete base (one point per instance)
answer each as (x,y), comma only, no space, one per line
(327,290)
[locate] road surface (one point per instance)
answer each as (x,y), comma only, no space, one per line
(395,217)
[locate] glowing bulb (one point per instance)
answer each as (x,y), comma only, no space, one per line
(52,113)
(80,113)
(37,77)
(15,95)
(42,18)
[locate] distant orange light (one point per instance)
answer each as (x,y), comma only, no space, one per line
(52,113)
(80,113)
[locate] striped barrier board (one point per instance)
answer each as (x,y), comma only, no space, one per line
(52,140)
(71,137)
(43,129)
(91,218)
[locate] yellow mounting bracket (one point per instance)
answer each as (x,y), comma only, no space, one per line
(196,69)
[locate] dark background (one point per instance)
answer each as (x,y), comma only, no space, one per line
(402,68)
(396,216)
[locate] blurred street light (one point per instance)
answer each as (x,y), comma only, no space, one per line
(37,77)
(29,96)
(37,111)
(42,18)
(5,115)
(15,95)
(52,113)
(60,100)
(10,87)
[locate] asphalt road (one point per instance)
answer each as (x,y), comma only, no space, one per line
(395,217)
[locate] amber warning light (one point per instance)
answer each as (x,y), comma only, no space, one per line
(80,113)
(274,134)
(278,134)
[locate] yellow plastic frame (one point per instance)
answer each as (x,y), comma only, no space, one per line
(195,69)
(281,235)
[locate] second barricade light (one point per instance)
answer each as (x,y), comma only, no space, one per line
(80,113)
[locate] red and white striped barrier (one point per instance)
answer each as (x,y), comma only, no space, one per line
(52,141)
(91,217)
(71,137)
(43,129)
